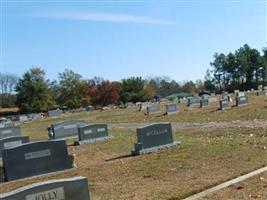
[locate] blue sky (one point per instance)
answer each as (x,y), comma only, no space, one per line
(119,39)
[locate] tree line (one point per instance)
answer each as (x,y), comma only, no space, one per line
(244,69)
(33,92)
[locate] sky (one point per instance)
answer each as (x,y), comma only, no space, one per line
(119,39)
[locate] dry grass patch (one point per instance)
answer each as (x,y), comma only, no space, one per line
(205,158)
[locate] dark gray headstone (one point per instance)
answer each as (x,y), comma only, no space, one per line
(54,113)
(65,129)
(204,103)
(153,138)
(223,104)
(35,158)
(171,109)
(242,100)
(92,133)
(193,101)
(153,109)
(12,141)
(9,131)
(62,189)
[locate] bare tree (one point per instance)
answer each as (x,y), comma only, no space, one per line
(8,83)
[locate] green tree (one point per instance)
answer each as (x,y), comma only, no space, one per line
(132,90)
(72,90)
(33,94)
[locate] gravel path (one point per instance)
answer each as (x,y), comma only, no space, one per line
(179,126)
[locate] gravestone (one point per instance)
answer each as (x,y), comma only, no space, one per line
(240,94)
(54,113)
(236,92)
(12,141)
(223,104)
(144,106)
(225,95)
(242,100)
(92,133)
(153,138)
(171,109)
(75,188)
(65,129)
(204,103)
(153,109)
(35,116)
(193,101)
(9,131)
(23,118)
(35,158)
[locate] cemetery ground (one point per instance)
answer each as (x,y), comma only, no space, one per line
(216,146)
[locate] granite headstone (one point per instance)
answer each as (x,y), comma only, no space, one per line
(75,188)
(12,141)
(63,130)
(153,138)
(35,158)
(9,131)
(92,133)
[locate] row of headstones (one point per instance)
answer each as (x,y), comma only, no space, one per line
(37,158)
(240,99)
(262,90)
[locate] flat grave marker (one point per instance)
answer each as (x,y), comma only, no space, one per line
(92,133)
(154,137)
(75,188)
(35,158)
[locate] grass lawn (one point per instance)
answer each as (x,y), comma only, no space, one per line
(253,188)
(205,158)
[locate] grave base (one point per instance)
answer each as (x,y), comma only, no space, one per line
(90,141)
(171,113)
(136,152)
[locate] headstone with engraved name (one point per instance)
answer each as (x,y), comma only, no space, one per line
(12,141)
(242,100)
(153,138)
(35,158)
(9,131)
(193,101)
(153,109)
(60,189)
(171,109)
(224,104)
(63,130)
(92,133)
(54,113)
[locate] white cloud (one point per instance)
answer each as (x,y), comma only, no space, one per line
(104,17)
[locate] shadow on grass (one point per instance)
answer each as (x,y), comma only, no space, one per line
(120,157)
